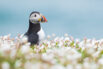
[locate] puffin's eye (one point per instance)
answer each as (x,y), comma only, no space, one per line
(35,15)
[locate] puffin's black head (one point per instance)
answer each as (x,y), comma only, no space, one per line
(36,17)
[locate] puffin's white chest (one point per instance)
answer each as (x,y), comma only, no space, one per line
(41,34)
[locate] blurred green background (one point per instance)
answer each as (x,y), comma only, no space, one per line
(78,18)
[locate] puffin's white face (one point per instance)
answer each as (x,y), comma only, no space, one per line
(35,17)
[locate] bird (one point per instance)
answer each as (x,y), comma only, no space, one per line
(35,32)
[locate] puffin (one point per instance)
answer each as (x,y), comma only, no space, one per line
(35,32)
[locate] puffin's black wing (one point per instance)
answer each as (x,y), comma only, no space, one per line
(32,38)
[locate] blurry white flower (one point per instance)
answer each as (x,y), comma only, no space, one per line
(81,44)
(5,49)
(70,67)
(18,63)
(77,40)
(53,35)
(53,44)
(5,65)
(30,65)
(48,36)
(96,54)
(47,57)
(6,37)
(94,66)
(56,39)
(100,61)
(41,47)
(27,44)
(29,56)
(78,66)
(71,38)
(94,46)
(86,65)
(66,39)
(24,39)
(100,48)
(88,40)
(25,49)
(22,35)
(61,38)
(57,67)
(60,43)
(13,53)
(90,50)
(66,35)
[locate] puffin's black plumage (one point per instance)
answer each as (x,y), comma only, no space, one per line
(31,34)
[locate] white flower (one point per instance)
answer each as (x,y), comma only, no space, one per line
(57,67)
(78,66)
(30,65)
(25,49)
(94,66)
(53,35)
(77,40)
(5,49)
(18,63)
(86,59)
(5,65)
(60,43)
(41,47)
(67,39)
(86,65)
(48,36)
(96,54)
(56,39)
(6,37)
(66,35)
(100,61)
(90,50)
(70,67)
(24,39)
(47,57)
(29,56)
(22,35)
(13,53)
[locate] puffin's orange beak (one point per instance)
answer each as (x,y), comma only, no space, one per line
(43,19)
